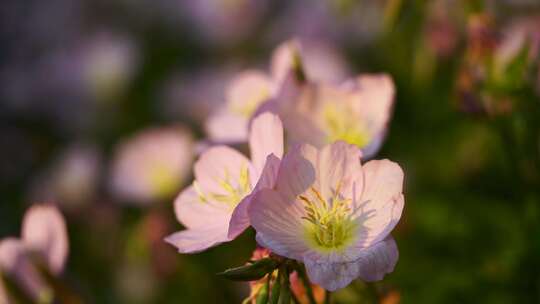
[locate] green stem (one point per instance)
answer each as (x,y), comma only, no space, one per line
(327,297)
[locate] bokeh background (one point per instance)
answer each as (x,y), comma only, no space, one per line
(93,91)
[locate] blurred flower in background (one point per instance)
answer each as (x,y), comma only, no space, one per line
(73,178)
(43,243)
(109,62)
(243,96)
(232,20)
(152,165)
(250,88)
(357,111)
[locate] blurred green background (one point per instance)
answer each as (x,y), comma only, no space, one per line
(465,128)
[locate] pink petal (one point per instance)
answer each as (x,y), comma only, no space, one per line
(248,89)
(14,261)
(296,103)
(265,138)
(194,213)
(227,127)
(297,171)
(334,272)
(282,59)
(378,260)
(44,231)
(200,238)
(240,218)
(339,168)
(218,164)
(278,223)
(269,174)
(381,202)
(376,101)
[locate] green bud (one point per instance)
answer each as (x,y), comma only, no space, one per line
(285,293)
(251,272)
(276,288)
(263,296)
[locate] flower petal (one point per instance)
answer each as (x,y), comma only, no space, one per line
(339,168)
(219,164)
(14,261)
(240,218)
(376,101)
(334,272)
(283,59)
(278,223)
(44,231)
(265,138)
(378,260)
(226,127)
(381,202)
(247,91)
(297,171)
(199,239)
(193,213)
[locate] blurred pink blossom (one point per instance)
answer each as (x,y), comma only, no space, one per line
(250,88)
(43,234)
(214,207)
(73,178)
(332,213)
(357,111)
(152,164)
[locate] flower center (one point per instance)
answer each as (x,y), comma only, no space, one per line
(342,124)
(232,193)
(162,180)
(329,225)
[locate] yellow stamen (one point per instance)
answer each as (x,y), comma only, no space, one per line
(232,194)
(329,226)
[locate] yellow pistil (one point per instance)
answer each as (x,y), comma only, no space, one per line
(231,195)
(329,225)
(341,124)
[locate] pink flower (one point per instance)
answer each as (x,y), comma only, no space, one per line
(332,213)
(251,88)
(214,207)
(357,111)
(43,233)
(244,94)
(152,164)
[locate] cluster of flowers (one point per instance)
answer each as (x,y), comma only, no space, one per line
(323,212)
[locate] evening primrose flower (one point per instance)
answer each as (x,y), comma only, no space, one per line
(214,207)
(332,213)
(357,111)
(152,164)
(251,88)
(43,234)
